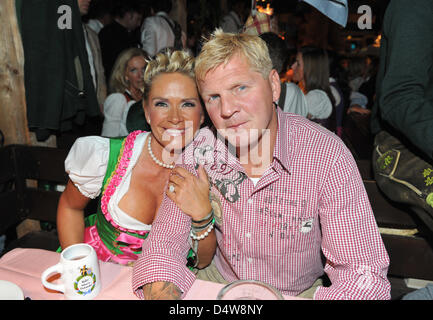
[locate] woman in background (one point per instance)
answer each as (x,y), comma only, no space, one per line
(311,72)
(126,87)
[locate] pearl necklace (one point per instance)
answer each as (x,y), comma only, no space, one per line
(159,163)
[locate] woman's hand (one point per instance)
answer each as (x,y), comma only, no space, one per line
(190,193)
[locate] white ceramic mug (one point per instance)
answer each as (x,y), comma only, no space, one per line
(79,269)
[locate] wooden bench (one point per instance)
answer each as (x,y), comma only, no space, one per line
(406,237)
(30,177)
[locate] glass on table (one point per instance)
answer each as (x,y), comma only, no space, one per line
(249,290)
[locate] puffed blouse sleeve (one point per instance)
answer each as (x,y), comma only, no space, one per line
(86,164)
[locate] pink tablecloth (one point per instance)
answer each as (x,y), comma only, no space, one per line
(25,266)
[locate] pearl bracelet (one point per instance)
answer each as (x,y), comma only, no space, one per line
(204,235)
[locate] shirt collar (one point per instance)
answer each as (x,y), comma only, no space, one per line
(205,138)
(197,150)
(162,13)
(207,148)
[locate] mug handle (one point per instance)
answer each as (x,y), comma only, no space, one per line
(58,268)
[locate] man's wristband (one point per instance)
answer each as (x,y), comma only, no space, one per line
(211,213)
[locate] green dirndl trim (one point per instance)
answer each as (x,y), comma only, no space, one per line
(107,232)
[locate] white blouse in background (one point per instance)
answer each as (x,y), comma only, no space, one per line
(86,165)
(115,113)
(318,104)
(294,101)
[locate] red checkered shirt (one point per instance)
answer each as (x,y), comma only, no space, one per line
(311,200)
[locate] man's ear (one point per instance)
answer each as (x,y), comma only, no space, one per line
(274,80)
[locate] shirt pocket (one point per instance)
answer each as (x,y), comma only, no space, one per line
(285,231)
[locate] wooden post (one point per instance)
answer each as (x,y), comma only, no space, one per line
(13,112)
(13,109)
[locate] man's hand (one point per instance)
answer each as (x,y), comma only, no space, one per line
(161,291)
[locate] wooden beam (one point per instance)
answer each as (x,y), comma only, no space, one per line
(13,111)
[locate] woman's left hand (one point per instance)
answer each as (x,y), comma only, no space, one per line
(190,193)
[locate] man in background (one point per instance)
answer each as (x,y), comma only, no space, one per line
(235,19)
(120,34)
(402,117)
(159,31)
(94,53)
(100,15)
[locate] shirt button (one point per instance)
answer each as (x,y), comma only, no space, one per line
(248,235)
(250,260)
(250,201)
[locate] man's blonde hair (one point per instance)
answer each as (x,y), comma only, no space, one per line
(221,47)
(168,62)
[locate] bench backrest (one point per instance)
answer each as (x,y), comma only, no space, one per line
(28,179)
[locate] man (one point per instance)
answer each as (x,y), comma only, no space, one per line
(120,34)
(235,19)
(101,15)
(292,98)
(288,191)
(158,31)
(402,117)
(94,54)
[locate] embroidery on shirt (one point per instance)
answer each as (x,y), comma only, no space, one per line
(229,187)
(203,155)
(306,225)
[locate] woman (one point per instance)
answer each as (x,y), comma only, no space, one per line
(311,72)
(130,174)
(126,87)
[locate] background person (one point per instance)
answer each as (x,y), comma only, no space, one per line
(311,72)
(100,14)
(234,21)
(292,98)
(94,54)
(121,33)
(402,116)
(158,30)
(126,87)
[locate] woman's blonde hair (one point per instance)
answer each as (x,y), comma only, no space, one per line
(221,47)
(118,82)
(168,62)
